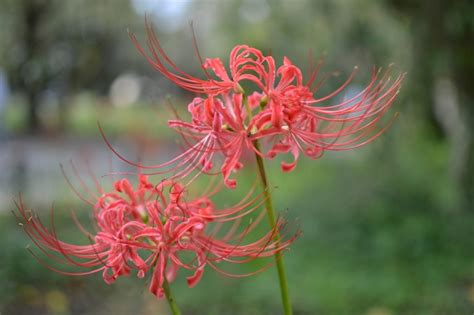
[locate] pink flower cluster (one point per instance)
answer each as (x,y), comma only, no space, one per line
(147,229)
(284,112)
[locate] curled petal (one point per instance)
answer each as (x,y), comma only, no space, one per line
(216,65)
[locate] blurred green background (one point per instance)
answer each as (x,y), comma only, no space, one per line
(388,228)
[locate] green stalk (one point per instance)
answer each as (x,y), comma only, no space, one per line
(169,296)
(280,263)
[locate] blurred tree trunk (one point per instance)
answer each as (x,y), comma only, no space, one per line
(34,125)
(32,70)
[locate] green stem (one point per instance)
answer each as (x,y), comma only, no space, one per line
(280,263)
(169,296)
(285,296)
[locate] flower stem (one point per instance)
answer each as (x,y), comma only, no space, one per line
(280,263)
(169,296)
(271,218)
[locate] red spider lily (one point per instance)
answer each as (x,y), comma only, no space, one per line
(285,113)
(217,128)
(148,228)
(292,123)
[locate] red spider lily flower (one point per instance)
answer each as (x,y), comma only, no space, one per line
(285,114)
(147,229)
(292,123)
(217,129)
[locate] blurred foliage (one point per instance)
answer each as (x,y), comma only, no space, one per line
(86,110)
(442,37)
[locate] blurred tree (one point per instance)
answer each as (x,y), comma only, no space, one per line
(442,39)
(296,28)
(32,75)
(60,47)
